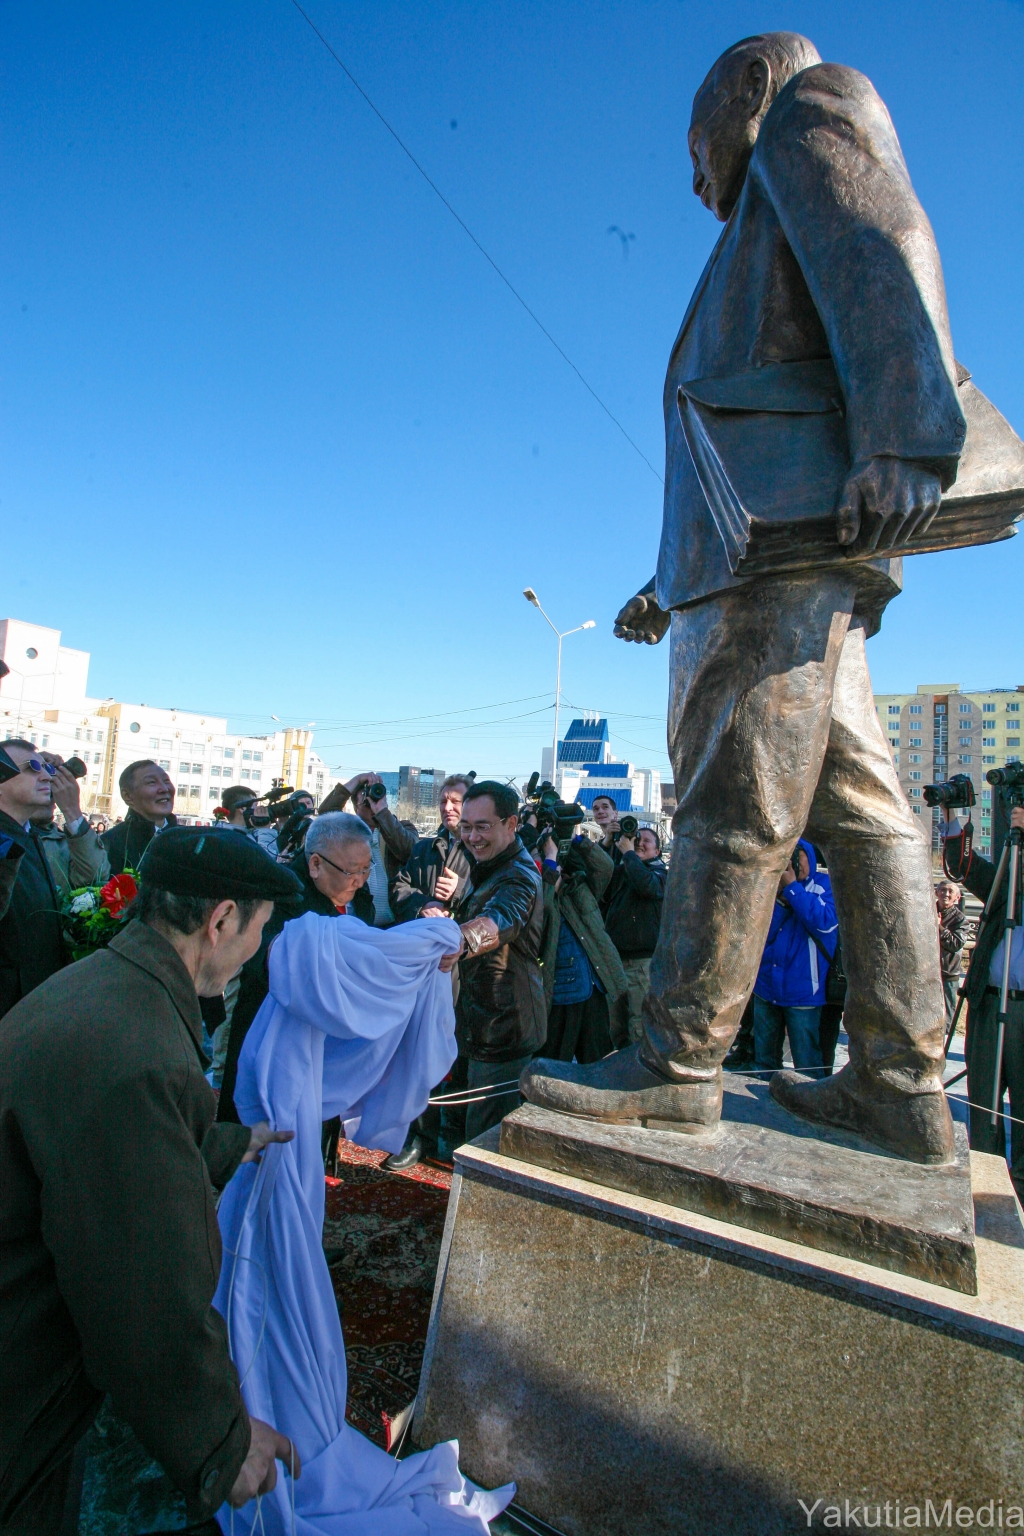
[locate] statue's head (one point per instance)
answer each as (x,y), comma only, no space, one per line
(730,106)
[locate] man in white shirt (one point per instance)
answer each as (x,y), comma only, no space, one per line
(391,840)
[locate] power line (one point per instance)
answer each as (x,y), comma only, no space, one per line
(466,229)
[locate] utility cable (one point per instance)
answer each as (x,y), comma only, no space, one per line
(466,229)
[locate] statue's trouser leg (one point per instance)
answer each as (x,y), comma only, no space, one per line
(880,866)
(770,694)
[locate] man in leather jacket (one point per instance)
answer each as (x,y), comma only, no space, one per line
(501,1017)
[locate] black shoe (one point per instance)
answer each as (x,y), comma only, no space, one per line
(739,1059)
(409,1156)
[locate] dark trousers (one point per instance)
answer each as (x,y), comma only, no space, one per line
(579,1030)
(773,734)
(828,1035)
(481,1076)
(980,1052)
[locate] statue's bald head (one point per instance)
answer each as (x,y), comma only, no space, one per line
(730,106)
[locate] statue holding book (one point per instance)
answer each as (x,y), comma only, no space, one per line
(818,428)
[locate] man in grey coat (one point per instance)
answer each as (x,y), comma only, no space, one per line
(817,335)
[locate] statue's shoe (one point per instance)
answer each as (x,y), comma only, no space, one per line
(622,1090)
(916,1126)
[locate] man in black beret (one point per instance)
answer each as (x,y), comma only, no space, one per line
(109,1247)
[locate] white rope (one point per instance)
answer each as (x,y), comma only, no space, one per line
(453,1098)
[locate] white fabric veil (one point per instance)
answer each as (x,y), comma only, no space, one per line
(358,1022)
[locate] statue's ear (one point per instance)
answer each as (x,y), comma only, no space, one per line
(757,78)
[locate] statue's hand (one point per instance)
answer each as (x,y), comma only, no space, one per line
(885,501)
(642,620)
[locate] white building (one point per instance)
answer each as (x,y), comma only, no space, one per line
(45,700)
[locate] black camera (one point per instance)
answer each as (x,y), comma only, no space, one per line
(954,793)
(292,834)
(8,767)
(374,792)
(1010,783)
(75,766)
(555,818)
(628,826)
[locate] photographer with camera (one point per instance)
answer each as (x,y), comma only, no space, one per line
(236,801)
(983,982)
(790,988)
(32,785)
(633,910)
(584,981)
(606,816)
(294,818)
(954,931)
(392,841)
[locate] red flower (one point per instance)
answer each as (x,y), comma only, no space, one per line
(117,893)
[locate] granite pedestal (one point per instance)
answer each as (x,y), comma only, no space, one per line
(639,1367)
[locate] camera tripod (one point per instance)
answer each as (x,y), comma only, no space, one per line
(1009,863)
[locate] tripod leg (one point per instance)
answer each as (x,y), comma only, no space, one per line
(1004,988)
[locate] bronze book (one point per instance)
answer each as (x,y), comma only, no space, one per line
(770,450)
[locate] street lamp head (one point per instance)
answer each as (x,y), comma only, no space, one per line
(531,596)
(590,624)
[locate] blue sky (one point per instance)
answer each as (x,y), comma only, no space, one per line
(274,438)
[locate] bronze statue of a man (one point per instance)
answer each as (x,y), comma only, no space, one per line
(818,327)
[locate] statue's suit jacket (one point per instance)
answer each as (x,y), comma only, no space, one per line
(827,255)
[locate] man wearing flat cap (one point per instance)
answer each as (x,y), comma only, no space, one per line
(109,1246)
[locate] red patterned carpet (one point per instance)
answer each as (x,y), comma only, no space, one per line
(382,1236)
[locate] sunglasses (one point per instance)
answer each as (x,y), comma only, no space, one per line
(34,765)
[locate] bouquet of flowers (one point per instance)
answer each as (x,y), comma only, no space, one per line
(92,914)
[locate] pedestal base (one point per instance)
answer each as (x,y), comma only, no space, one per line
(639,1368)
(762,1167)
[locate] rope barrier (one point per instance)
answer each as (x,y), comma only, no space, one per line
(451,1098)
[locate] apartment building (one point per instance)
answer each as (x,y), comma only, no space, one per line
(940,730)
(45,699)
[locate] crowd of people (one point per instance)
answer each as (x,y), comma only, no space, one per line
(557,937)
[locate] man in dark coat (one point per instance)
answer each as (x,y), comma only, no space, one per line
(585,984)
(817,343)
(109,1246)
(501,1015)
(983,985)
(954,931)
(31,936)
(437,869)
(633,907)
(149,795)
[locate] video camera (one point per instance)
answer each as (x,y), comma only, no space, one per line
(258,812)
(1009,781)
(555,818)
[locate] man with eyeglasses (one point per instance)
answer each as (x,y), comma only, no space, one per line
(31,937)
(334,867)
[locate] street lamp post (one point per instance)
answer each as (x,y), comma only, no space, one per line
(531,597)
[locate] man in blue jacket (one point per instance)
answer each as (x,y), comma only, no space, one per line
(790,986)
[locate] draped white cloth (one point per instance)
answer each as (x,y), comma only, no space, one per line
(358,1022)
